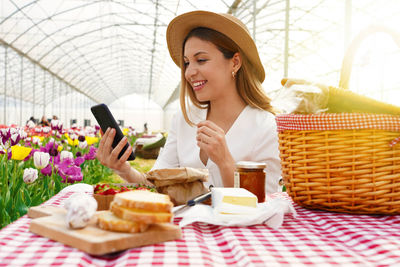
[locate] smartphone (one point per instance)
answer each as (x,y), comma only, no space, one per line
(106,119)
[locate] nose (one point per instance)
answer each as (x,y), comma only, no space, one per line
(190,72)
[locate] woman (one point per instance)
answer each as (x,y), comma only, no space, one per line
(44,121)
(229,118)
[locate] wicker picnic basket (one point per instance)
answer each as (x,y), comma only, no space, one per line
(342,162)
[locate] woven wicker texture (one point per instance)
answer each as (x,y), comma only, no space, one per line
(353,171)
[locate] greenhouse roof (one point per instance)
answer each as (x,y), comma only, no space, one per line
(112,48)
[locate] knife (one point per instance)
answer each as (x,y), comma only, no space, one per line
(193,202)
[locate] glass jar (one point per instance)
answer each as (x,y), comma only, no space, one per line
(251,176)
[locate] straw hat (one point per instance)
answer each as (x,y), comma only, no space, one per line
(227,24)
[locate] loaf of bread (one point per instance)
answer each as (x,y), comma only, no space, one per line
(108,221)
(134,211)
(144,200)
(140,215)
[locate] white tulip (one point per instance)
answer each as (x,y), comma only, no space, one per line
(66,154)
(30,175)
(22,134)
(14,137)
(54,123)
(46,129)
(41,159)
(36,140)
(13,131)
(83,145)
(31,124)
(73,136)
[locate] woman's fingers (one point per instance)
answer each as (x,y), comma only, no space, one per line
(115,152)
(109,138)
(208,124)
(103,139)
(126,154)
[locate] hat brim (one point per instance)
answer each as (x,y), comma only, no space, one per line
(230,26)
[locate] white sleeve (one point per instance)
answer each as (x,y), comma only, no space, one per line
(266,149)
(168,157)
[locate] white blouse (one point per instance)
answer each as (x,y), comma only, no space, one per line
(252,137)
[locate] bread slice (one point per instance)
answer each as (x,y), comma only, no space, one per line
(106,220)
(144,200)
(139,215)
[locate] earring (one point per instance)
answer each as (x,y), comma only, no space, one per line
(233,74)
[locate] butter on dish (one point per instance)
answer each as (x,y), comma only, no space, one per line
(233,201)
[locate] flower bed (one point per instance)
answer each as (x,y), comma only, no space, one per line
(36,163)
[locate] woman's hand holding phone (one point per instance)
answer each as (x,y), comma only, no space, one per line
(109,156)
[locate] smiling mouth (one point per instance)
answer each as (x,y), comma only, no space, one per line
(198,85)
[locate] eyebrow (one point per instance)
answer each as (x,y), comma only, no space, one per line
(198,53)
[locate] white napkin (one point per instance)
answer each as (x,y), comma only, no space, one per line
(270,213)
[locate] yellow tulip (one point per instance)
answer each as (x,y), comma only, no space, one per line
(74,142)
(59,148)
(20,152)
(91,140)
(125,131)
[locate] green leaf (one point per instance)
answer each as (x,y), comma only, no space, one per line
(17,187)
(8,202)
(57,185)
(20,206)
(27,197)
(4,218)
(36,200)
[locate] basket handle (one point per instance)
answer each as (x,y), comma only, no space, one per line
(350,53)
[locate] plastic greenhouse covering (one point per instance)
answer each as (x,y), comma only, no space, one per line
(59,57)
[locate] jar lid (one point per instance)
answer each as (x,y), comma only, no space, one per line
(251,165)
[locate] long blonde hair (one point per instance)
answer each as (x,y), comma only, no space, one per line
(247,84)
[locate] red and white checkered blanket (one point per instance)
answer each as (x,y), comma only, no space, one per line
(312,238)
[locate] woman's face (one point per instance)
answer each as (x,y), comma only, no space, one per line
(206,69)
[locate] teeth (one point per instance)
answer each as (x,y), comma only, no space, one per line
(198,83)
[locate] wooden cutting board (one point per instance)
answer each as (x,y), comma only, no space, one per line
(49,221)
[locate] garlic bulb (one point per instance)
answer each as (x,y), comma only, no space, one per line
(80,209)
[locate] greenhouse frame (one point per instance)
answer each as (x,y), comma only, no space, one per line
(61,57)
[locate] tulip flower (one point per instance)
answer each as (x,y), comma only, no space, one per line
(41,159)
(30,175)
(79,160)
(54,124)
(81,138)
(14,139)
(66,154)
(69,172)
(91,140)
(51,147)
(22,134)
(92,153)
(83,145)
(20,152)
(36,140)
(31,124)
(46,129)
(47,171)
(5,135)
(30,154)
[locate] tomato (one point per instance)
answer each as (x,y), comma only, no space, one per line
(109,189)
